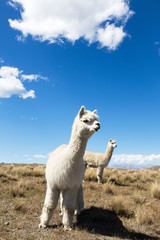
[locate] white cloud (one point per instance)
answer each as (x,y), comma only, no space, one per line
(55,20)
(110,36)
(11,79)
(28,94)
(13,4)
(135,159)
(33,77)
(10,83)
(40,156)
(20,38)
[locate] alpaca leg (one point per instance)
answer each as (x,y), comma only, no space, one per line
(50,204)
(100,174)
(80,201)
(68,205)
(61,200)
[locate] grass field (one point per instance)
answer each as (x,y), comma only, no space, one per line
(125,206)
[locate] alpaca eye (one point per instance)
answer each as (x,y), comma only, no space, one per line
(85,121)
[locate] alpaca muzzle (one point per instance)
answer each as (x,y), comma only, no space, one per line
(97,126)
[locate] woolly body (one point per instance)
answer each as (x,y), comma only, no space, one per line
(65,170)
(57,173)
(100,160)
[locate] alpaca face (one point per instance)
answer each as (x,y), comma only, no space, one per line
(112,144)
(87,123)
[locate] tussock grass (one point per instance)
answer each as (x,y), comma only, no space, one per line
(21,187)
(90,174)
(142,216)
(140,179)
(140,186)
(121,207)
(109,188)
(25,188)
(16,191)
(28,171)
(39,171)
(138,198)
(107,173)
(20,206)
(5,176)
(26,184)
(93,185)
(17,171)
(155,189)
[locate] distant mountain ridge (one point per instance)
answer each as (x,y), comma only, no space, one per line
(132,166)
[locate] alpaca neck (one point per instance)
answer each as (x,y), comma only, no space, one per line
(108,154)
(77,144)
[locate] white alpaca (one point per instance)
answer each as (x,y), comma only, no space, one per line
(65,170)
(100,160)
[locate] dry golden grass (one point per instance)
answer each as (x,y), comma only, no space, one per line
(16,191)
(121,207)
(93,186)
(26,184)
(138,198)
(124,207)
(155,189)
(109,188)
(20,206)
(140,178)
(142,216)
(90,174)
(22,170)
(37,171)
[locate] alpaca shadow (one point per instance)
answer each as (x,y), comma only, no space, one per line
(54,226)
(105,222)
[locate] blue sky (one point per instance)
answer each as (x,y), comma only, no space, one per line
(51,65)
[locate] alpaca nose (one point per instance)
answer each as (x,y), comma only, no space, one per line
(98,124)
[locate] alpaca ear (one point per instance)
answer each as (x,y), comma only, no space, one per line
(95,111)
(110,140)
(81,112)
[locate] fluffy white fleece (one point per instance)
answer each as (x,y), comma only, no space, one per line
(65,170)
(100,160)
